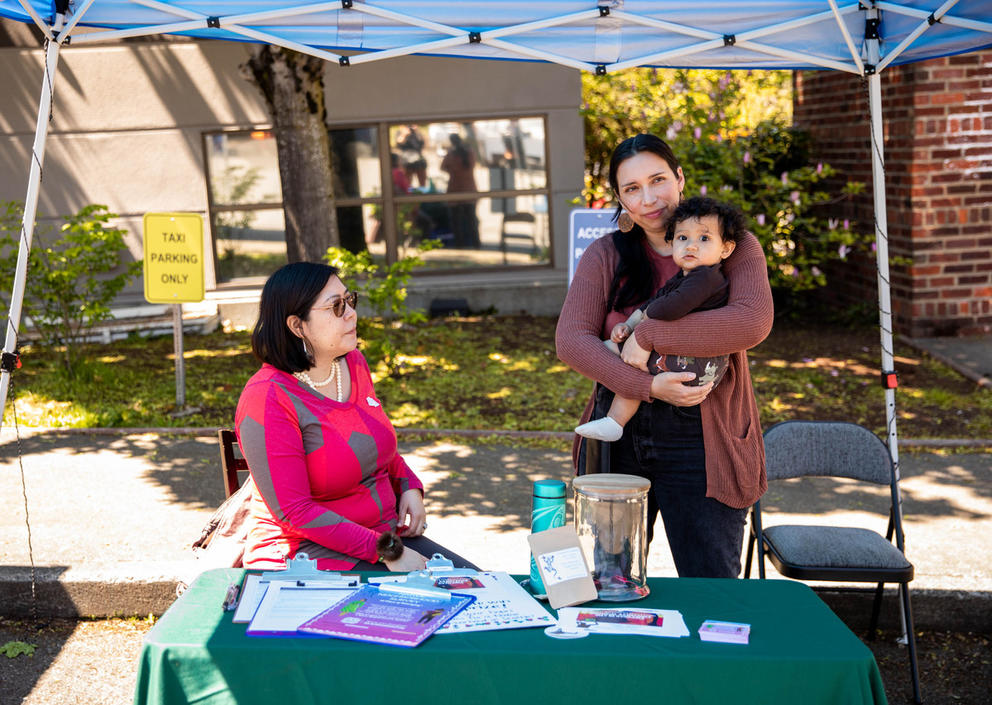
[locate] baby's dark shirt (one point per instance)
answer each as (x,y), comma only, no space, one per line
(702,289)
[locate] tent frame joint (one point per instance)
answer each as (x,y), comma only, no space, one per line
(213,22)
(600,69)
(347,4)
(932,19)
(475,37)
(729,40)
(604,11)
(9,361)
(344,61)
(871,28)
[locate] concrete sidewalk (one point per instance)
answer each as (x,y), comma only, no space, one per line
(112,517)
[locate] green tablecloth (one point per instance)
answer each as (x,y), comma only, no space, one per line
(799,652)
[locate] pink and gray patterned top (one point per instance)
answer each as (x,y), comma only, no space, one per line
(324,472)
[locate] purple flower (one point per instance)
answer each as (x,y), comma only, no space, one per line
(816,271)
(834,373)
(719,137)
(874,247)
(819,167)
(747,155)
(847,224)
(832,223)
(697,133)
(794,197)
(702,190)
(807,359)
(842,251)
(671,133)
(760,218)
(785,178)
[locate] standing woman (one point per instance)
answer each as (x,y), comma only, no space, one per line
(328,480)
(700,447)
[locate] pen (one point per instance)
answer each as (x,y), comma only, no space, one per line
(230,598)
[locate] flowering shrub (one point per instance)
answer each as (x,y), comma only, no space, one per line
(732,149)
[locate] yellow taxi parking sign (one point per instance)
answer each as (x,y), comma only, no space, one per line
(173,258)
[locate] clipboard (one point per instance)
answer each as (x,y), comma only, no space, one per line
(299,570)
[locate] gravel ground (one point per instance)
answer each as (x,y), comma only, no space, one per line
(94,663)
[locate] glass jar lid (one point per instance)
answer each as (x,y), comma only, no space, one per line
(610,485)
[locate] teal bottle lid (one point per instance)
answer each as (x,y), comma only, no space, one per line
(549,489)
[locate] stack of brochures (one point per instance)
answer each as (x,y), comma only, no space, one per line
(728,632)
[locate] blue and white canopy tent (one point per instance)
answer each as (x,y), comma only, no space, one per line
(862,38)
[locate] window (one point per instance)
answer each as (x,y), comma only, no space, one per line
(479,188)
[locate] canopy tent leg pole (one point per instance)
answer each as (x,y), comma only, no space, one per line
(30,210)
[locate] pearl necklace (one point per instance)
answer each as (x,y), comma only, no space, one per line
(335,374)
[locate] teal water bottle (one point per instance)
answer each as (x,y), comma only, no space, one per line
(548,513)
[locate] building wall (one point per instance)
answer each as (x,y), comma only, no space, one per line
(938,170)
(128,120)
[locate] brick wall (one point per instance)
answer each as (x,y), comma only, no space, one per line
(938,169)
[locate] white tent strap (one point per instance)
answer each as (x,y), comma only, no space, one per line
(938,15)
(28,8)
(855,55)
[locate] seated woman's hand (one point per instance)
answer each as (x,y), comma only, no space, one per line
(408,561)
(668,387)
(411,514)
(634,355)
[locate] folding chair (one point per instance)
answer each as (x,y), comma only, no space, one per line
(232,463)
(830,553)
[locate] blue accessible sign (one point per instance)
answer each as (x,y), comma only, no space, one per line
(584,226)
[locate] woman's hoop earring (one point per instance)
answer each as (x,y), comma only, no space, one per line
(624,222)
(307,352)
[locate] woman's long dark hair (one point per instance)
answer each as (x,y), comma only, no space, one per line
(290,291)
(633,281)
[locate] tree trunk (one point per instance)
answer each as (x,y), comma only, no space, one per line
(293,87)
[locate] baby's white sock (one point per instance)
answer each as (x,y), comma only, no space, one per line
(604,429)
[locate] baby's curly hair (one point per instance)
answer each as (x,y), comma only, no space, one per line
(732,223)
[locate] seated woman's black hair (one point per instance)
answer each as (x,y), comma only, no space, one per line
(732,223)
(290,291)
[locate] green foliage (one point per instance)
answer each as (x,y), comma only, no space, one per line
(13,649)
(733,151)
(72,278)
(382,288)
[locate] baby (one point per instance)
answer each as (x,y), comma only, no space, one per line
(703,233)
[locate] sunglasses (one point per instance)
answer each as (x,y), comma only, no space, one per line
(339,306)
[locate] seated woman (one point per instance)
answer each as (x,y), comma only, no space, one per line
(328,479)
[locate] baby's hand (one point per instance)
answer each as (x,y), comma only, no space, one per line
(620,332)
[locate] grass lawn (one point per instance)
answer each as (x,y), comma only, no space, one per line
(493,372)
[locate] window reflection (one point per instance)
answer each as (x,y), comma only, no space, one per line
(477,232)
(356,162)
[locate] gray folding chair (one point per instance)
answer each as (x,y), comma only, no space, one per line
(832,553)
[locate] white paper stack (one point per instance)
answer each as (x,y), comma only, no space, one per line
(626,620)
